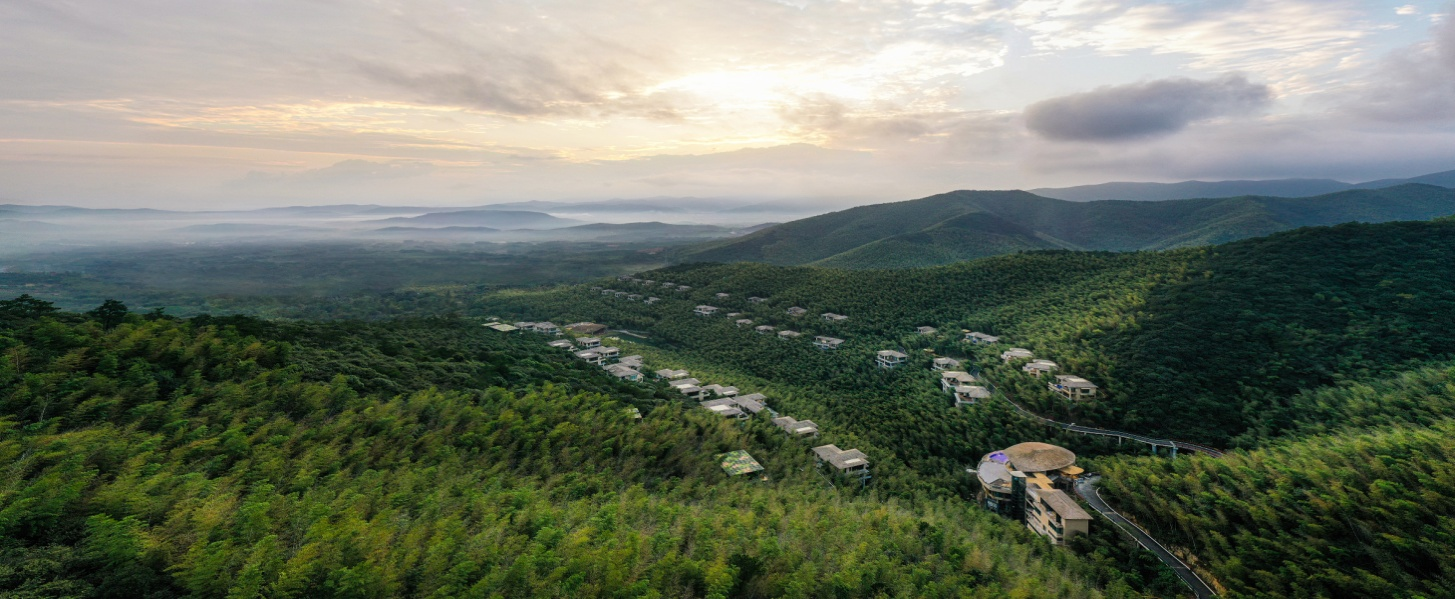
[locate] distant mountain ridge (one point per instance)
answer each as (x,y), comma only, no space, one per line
(1283,188)
(964,225)
(497,219)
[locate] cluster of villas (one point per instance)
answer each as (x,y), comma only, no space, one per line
(1069,386)
(725,401)
(1030,482)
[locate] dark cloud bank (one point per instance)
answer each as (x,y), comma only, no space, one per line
(1140,110)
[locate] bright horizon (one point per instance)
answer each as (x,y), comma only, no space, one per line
(223,105)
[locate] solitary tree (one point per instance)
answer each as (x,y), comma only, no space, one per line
(111,313)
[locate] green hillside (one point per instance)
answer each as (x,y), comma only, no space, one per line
(1320,354)
(939,229)
(229,457)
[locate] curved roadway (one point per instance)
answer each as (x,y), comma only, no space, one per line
(1086,488)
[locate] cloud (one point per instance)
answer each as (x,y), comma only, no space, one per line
(1140,110)
(1413,84)
(353,171)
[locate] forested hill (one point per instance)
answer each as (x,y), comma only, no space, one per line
(972,224)
(1199,343)
(229,457)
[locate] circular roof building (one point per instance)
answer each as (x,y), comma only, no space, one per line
(1039,457)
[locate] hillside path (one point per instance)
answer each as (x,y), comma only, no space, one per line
(1086,488)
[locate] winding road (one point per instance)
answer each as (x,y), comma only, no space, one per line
(1086,488)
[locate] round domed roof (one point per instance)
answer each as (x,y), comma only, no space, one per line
(1039,457)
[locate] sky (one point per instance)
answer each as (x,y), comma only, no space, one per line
(252,103)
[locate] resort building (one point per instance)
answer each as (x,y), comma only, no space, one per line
(1036,368)
(801,428)
(764,329)
(1073,387)
(797,311)
(1016,353)
(1053,514)
(1006,477)
(721,391)
(622,371)
(726,408)
(823,342)
(651,300)
(591,356)
(926,330)
(548,328)
(562,344)
(968,395)
(757,300)
(609,353)
(946,363)
(502,327)
(705,310)
(589,342)
(889,358)
(851,462)
(978,337)
(742,322)
(789,334)
(633,361)
(831,317)
(950,379)
(721,295)
(670,375)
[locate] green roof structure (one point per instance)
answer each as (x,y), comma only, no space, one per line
(738,462)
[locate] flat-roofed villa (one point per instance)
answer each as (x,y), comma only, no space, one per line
(949,379)
(591,356)
(726,408)
(607,291)
(526,326)
(634,361)
(764,329)
(789,334)
(1053,514)
(797,311)
(1016,353)
(926,330)
(737,463)
(634,413)
(946,363)
(651,300)
(502,327)
(596,288)
(693,392)
(589,342)
(625,372)
(752,402)
(734,314)
(1036,368)
(692,382)
(705,310)
(562,344)
(831,317)
(1006,475)
(978,337)
(548,328)
(634,296)
(742,322)
(623,277)
(850,461)
(1073,387)
(649,282)
(757,300)
(668,284)
(830,343)
(721,391)
(721,295)
(608,352)
(684,288)
(888,358)
(670,374)
(969,395)
(800,428)
(620,294)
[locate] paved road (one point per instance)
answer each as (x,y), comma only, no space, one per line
(1086,488)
